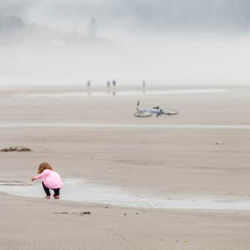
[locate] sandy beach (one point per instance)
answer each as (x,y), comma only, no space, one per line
(178,182)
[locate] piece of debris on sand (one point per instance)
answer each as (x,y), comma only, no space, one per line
(16,149)
(82,213)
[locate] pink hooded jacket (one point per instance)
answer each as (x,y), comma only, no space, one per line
(51,179)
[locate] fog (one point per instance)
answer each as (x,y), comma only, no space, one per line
(164,42)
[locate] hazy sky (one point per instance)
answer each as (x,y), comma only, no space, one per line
(144,15)
(162,41)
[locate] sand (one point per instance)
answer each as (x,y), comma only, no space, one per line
(176,163)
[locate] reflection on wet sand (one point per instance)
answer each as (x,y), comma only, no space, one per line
(85,191)
(115,92)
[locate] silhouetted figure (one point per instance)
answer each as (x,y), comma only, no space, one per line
(143,84)
(157,107)
(114,83)
(144,87)
(88,84)
(108,84)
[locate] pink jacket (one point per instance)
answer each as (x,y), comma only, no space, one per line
(51,179)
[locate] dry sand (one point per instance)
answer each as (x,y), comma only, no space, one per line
(178,163)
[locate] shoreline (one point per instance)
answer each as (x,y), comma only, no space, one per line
(64,92)
(120,87)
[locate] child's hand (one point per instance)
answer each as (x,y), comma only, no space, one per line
(32,179)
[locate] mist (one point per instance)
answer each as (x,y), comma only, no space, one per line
(163,42)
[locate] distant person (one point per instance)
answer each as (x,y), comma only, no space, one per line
(50,180)
(143,84)
(108,84)
(88,84)
(157,107)
(114,83)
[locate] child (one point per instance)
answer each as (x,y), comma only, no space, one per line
(51,180)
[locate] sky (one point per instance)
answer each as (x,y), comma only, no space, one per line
(129,15)
(160,41)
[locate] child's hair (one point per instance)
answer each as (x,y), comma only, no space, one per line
(43,166)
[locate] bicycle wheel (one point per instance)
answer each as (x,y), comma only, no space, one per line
(169,112)
(142,114)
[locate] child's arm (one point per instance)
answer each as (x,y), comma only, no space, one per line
(39,176)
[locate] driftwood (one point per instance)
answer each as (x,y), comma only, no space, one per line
(16,149)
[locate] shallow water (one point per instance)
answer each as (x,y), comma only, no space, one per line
(85,191)
(124,126)
(119,93)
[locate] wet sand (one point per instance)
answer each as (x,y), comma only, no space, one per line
(177,163)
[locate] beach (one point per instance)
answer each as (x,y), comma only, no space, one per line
(167,182)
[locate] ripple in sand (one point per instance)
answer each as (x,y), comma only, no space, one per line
(124,126)
(14,183)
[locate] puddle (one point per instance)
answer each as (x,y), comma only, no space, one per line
(84,191)
(124,126)
(119,93)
